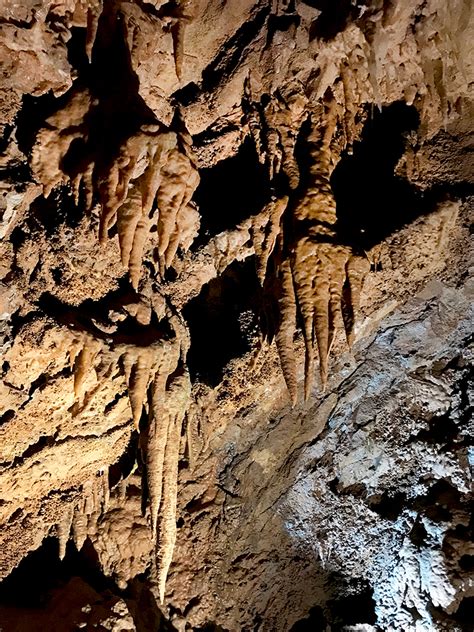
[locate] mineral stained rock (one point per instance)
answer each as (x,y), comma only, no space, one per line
(236,313)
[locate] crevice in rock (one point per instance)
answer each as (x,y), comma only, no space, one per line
(463,614)
(55,212)
(76,48)
(126,330)
(388,505)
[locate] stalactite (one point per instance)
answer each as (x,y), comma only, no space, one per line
(93,15)
(286,329)
(86,15)
(64,529)
(265,230)
(128,216)
(184,13)
(349,106)
(180,179)
(138,366)
(79,525)
(55,139)
(357,268)
(105,489)
(173,407)
(153,167)
(84,361)
(253,119)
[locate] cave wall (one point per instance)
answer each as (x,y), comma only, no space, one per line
(235,314)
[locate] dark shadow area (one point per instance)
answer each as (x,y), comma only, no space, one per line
(464,614)
(388,505)
(31,582)
(57,210)
(42,580)
(31,117)
(373,202)
(442,431)
(440,502)
(144,610)
(335,15)
(127,331)
(356,607)
(314,622)
(5,136)
(220,320)
(282,22)
(76,51)
(231,191)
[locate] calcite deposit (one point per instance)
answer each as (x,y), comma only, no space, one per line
(236,312)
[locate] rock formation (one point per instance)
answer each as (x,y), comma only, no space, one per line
(203,205)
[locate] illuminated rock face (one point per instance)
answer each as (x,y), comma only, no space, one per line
(236,315)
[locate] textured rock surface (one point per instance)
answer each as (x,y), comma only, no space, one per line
(202,202)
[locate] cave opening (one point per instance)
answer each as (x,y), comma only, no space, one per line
(222,321)
(233,190)
(372,200)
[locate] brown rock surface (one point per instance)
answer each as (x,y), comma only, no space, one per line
(202,202)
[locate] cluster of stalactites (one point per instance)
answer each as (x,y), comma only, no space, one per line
(154,170)
(317,276)
(158,383)
(79,518)
(412,51)
(147,184)
(274,128)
